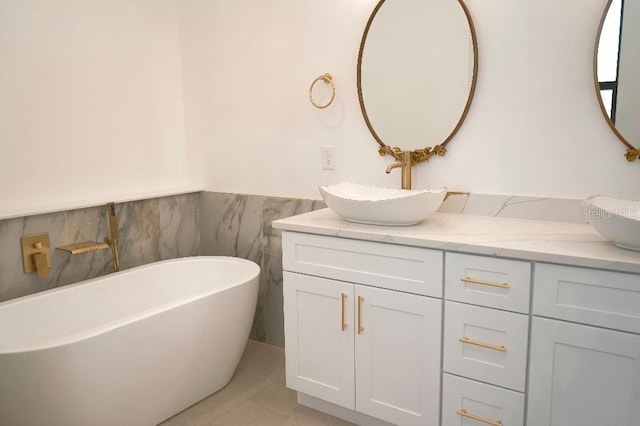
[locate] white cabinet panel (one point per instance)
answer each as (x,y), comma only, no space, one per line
(582,376)
(410,269)
(398,356)
(602,298)
(319,353)
(371,350)
(486,344)
(488,281)
(467,402)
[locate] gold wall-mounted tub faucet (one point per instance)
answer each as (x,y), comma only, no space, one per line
(109,242)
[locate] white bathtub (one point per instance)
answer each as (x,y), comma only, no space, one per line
(131,348)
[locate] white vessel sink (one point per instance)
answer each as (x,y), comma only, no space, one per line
(616,219)
(382,206)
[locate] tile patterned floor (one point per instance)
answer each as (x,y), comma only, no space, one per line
(255,396)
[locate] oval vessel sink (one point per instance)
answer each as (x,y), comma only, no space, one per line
(615,218)
(382,206)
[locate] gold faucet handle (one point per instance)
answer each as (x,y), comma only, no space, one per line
(40,264)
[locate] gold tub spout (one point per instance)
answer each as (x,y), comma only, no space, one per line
(83,247)
(405,163)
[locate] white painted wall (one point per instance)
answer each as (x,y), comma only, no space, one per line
(534,128)
(91,103)
(112,99)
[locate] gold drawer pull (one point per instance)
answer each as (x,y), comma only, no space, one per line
(500,348)
(481,282)
(360,327)
(344,321)
(464,413)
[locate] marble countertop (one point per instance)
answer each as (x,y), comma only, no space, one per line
(537,240)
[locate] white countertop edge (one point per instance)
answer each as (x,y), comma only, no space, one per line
(550,242)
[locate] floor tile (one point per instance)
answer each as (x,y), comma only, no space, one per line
(256,396)
(250,413)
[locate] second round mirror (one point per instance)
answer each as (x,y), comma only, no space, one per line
(617,71)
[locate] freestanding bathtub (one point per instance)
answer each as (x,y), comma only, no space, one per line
(131,348)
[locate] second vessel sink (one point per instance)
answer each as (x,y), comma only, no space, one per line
(616,219)
(382,206)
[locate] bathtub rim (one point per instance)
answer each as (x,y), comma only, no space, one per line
(141,315)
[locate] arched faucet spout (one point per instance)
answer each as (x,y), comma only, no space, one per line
(393,166)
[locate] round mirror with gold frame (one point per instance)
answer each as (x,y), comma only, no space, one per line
(616,67)
(417,72)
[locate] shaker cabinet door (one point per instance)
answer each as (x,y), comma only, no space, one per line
(583,376)
(397,356)
(319,334)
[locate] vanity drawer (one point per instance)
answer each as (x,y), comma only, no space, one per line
(485,404)
(409,269)
(488,281)
(486,344)
(588,296)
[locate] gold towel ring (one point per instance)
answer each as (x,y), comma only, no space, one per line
(327,78)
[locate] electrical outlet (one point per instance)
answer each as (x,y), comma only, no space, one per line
(328,153)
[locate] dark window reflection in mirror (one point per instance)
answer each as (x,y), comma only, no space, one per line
(609,57)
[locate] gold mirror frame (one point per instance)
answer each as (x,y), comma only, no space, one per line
(632,153)
(418,155)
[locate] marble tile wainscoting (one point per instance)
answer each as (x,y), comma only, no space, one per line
(149,230)
(240,225)
(208,223)
(203,223)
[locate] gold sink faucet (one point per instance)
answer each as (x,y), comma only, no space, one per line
(405,163)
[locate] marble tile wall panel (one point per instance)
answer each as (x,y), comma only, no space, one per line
(240,225)
(231,225)
(272,321)
(149,230)
(139,233)
(179,226)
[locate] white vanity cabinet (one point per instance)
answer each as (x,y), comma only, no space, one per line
(355,336)
(538,322)
(584,372)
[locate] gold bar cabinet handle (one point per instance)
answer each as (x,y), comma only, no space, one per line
(482,282)
(464,413)
(360,327)
(500,348)
(344,321)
